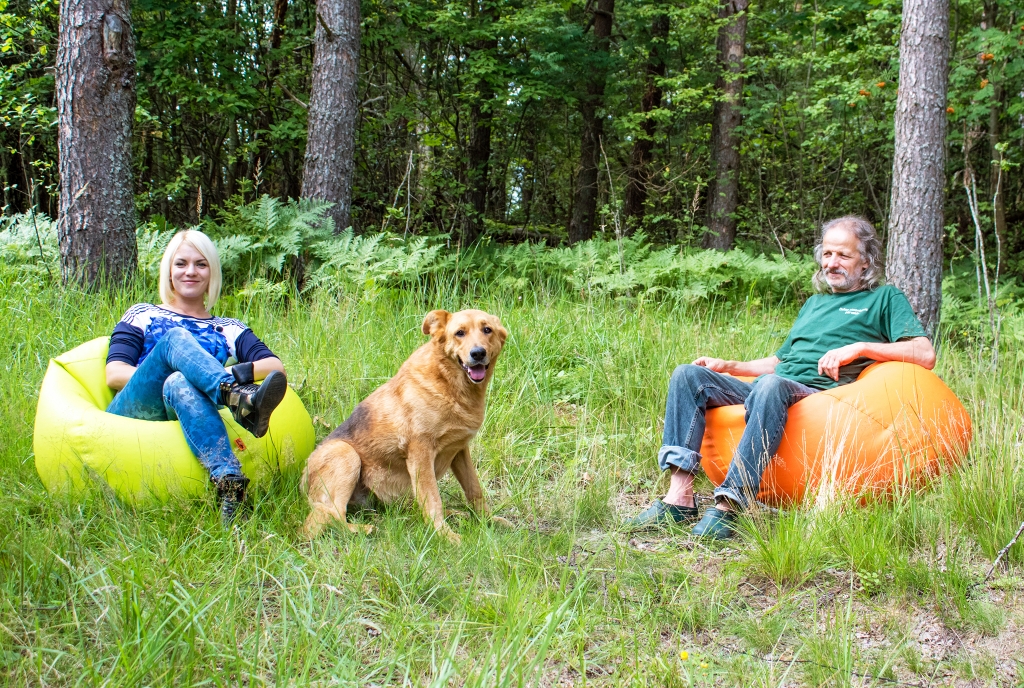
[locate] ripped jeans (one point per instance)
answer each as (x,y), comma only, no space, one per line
(693,389)
(180,381)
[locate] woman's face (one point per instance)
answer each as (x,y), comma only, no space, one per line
(190,273)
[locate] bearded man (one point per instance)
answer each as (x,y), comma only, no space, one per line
(849,324)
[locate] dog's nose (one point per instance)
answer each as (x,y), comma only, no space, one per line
(478,353)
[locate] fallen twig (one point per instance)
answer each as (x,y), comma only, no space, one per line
(1003,551)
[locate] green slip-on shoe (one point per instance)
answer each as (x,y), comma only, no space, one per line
(661,514)
(716,524)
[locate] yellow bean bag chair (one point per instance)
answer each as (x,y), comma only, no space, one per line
(897,424)
(76,440)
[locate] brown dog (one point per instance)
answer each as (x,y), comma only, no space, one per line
(413,428)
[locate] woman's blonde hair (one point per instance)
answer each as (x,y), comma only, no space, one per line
(201,243)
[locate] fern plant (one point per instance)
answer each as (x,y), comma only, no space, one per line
(272,249)
(633,267)
(151,239)
(349,261)
(28,238)
(269,238)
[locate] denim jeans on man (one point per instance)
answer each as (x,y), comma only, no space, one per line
(693,389)
(180,381)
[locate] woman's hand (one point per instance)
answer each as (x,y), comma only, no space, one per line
(118,374)
(265,366)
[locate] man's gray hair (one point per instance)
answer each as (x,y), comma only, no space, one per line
(868,243)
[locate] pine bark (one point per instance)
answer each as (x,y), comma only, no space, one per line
(640,160)
(584,211)
(481,118)
(95,93)
(723,192)
(914,251)
(333,108)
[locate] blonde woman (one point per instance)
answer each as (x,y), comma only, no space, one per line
(167,362)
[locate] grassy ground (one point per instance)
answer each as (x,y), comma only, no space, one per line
(96,592)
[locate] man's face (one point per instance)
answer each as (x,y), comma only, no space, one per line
(841,260)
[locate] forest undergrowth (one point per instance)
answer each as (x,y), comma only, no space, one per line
(98,592)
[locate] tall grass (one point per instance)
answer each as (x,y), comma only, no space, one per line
(97,592)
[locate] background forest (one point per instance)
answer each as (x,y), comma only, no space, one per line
(472,128)
(222,90)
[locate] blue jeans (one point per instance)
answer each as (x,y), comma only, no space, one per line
(180,381)
(693,389)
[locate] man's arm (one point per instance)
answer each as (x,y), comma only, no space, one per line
(918,350)
(762,366)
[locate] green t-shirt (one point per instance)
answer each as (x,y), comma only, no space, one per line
(829,321)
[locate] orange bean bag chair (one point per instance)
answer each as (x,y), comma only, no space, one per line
(897,424)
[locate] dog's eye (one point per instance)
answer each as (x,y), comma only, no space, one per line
(460,333)
(487,330)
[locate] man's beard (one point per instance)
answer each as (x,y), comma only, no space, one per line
(847,283)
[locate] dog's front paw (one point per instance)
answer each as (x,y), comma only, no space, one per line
(503,522)
(450,535)
(357,528)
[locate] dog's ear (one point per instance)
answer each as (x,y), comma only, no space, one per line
(500,330)
(435,322)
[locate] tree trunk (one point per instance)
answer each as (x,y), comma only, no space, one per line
(333,108)
(17,194)
(914,252)
(231,183)
(480,119)
(584,211)
(639,172)
(723,191)
(95,92)
(265,120)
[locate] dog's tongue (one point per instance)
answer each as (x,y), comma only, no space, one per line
(477,372)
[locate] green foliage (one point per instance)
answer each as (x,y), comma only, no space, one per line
(817,124)
(787,550)
(269,242)
(268,238)
(368,262)
(633,267)
(965,307)
(28,239)
(220,108)
(28,46)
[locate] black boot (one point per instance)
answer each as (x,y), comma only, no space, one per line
(230,495)
(252,404)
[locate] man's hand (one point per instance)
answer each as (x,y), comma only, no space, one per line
(716,364)
(833,360)
(762,366)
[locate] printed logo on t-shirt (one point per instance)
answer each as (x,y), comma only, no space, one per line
(214,342)
(853,311)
